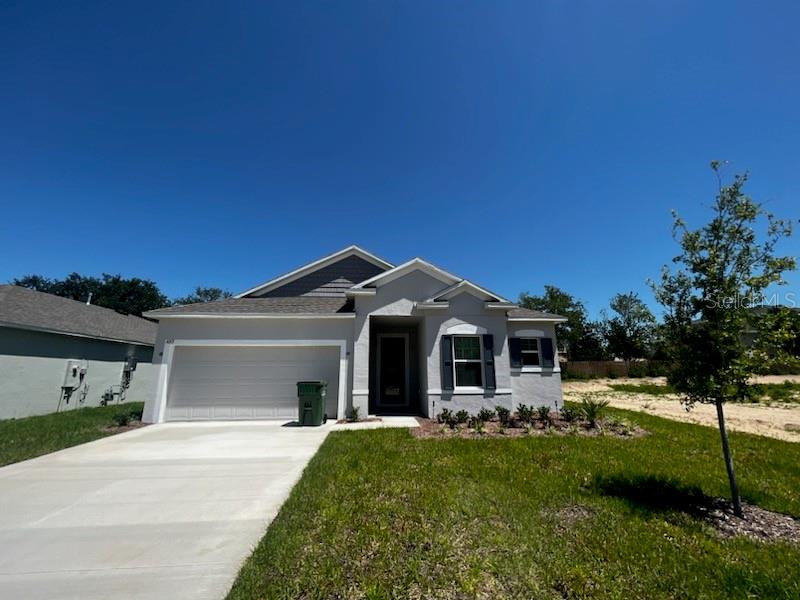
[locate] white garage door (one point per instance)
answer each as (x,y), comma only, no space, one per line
(247,382)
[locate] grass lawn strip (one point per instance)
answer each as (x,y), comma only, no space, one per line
(29,437)
(381,514)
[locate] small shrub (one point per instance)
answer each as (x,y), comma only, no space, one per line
(462,417)
(593,410)
(122,418)
(125,417)
(637,371)
(528,429)
(485,414)
(656,369)
(503,414)
(543,413)
(525,413)
(446,417)
(354,416)
(478,426)
(570,413)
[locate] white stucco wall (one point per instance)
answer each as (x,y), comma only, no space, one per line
(466,309)
(541,387)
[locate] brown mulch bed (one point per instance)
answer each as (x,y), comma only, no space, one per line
(758,523)
(129,427)
(430,428)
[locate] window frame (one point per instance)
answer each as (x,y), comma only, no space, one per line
(479,360)
(523,368)
(537,352)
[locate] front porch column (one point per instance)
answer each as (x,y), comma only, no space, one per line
(361,365)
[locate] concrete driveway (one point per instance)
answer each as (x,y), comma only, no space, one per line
(168,511)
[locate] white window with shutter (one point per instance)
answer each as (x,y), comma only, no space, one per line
(468,361)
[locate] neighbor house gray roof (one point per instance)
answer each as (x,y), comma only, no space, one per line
(260,306)
(28,309)
(527,313)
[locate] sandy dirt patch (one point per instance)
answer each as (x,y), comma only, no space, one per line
(779,420)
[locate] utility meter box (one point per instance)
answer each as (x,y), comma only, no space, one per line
(73,376)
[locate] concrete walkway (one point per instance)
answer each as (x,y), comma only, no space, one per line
(168,511)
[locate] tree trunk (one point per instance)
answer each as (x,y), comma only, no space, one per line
(726,451)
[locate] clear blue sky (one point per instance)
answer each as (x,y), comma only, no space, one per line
(516,144)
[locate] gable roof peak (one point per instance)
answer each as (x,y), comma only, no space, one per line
(352,250)
(416,263)
(466,286)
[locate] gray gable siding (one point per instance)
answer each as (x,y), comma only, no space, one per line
(330,281)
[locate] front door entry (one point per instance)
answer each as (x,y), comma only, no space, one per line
(393,373)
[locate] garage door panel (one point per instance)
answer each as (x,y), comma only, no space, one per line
(247,383)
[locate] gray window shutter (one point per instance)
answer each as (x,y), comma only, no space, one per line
(515,352)
(446,350)
(546,345)
(488,362)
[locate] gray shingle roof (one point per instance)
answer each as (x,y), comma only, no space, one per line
(261,306)
(29,309)
(526,313)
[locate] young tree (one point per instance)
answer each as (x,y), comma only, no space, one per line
(631,332)
(203,294)
(722,268)
(581,337)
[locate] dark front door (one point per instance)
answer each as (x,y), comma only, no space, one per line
(393,373)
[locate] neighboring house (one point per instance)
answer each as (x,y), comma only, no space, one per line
(409,339)
(59,354)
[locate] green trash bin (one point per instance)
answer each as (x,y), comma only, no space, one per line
(311,403)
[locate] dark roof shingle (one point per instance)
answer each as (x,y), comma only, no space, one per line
(527,313)
(260,306)
(28,309)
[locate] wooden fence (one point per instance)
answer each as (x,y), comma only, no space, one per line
(587,369)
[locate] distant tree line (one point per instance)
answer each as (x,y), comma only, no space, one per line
(130,296)
(629,331)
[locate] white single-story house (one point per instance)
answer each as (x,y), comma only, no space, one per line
(407,339)
(59,354)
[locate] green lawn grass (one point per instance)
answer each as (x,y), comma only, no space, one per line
(787,391)
(380,514)
(21,439)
